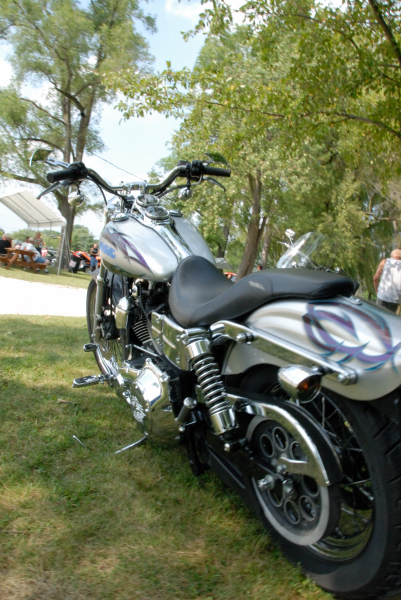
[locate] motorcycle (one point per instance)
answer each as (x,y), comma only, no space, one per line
(80,261)
(284,383)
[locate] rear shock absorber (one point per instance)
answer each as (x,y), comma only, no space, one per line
(208,375)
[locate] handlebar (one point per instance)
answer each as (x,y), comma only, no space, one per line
(192,171)
(217,172)
(74,172)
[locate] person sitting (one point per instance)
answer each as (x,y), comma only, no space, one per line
(5,243)
(37,258)
(24,244)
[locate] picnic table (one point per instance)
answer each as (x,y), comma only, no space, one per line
(15,257)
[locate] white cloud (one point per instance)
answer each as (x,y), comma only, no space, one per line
(39,94)
(5,72)
(189,9)
(186,9)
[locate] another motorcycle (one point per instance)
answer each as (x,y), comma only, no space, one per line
(80,261)
(284,383)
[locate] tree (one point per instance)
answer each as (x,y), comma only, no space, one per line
(324,83)
(65,51)
(276,183)
(82,239)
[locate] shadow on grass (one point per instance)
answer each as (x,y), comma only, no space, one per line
(85,523)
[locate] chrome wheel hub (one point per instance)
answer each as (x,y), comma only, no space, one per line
(298,497)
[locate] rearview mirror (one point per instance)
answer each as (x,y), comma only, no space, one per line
(185,194)
(290,234)
(76,200)
(40,155)
(216,157)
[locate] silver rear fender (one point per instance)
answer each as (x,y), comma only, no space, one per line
(357,343)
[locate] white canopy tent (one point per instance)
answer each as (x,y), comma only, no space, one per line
(35,214)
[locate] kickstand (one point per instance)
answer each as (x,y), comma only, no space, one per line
(138,443)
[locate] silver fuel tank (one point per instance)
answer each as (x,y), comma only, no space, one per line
(150,242)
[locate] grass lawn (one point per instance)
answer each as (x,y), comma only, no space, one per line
(83,523)
(76,280)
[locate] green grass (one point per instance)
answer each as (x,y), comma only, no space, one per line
(83,523)
(76,280)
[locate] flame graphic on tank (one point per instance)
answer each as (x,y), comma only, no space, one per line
(121,242)
(322,338)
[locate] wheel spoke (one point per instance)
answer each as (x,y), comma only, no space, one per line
(352,530)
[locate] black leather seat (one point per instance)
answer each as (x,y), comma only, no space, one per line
(201,295)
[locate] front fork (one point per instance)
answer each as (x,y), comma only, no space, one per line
(100,283)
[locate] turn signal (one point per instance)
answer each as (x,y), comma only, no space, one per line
(301,382)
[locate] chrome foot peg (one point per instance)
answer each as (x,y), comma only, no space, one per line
(90,347)
(90,380)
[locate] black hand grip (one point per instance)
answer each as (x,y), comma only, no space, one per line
(74,171)
(216,171)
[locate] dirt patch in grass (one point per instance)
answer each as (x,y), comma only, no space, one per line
(83,523)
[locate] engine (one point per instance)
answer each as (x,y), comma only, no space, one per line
(148,391)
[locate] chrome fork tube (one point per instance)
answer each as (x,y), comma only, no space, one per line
(100,281)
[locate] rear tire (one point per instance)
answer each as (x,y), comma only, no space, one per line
(361,557)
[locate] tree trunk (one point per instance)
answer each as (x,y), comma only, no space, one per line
(221,249)
(68,213)
(255,229)
(267,238)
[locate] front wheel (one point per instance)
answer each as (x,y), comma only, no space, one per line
(112,342)
(359,554)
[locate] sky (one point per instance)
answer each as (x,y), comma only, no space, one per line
(135,145)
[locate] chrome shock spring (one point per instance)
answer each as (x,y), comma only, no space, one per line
(208,376)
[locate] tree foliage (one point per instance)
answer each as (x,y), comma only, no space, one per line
(304,99)
(63,50)
(82,238)
(50,238)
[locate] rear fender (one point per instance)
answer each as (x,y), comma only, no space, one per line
(355,342)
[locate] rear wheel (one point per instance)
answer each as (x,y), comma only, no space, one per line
(359,554)
(112,344)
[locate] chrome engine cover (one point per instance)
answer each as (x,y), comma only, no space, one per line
(147,390)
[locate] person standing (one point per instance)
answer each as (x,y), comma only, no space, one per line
(39,242)
(93,252)
(387,281)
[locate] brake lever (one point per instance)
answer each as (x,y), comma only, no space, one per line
(215,182)
(56,163)
(53,187)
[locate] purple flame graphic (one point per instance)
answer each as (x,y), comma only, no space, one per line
(121,241)
(324,340)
